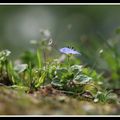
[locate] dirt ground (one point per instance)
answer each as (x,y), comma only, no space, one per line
(48,101)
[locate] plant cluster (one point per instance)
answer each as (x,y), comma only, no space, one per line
(37,69)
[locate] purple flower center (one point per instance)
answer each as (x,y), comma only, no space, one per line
(66,50)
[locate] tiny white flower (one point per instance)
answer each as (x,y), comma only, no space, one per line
(101,51)
(100,83)
(34,42)
(50,42)
(96,100)
(99,92)
(46,33)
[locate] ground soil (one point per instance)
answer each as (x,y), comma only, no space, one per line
(49,101)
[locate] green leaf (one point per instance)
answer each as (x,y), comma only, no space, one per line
(41,80)
(19,87)
(39,59)
(76,68)
(86,71)
(4,54)
(91,89)
(56,83)
(20,68)
(82,79)
(61,72)
(10,70)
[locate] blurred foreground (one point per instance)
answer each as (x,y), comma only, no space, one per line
(50,102)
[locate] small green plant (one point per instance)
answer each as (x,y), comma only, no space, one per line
(105,96)
(36,69)
(4,60)
(73,77)
(111,57)
(4,67)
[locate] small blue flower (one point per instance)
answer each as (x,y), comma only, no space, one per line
(66,50)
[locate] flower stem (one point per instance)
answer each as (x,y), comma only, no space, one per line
(44,55)
(68,60)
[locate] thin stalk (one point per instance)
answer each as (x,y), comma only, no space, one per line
(68,60)
(6,68)
(39,58)
(1,69)
(116,59)
(93,67)
(30,73)
(44,55)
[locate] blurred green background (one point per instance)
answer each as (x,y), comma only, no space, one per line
(87,28)
(67,23)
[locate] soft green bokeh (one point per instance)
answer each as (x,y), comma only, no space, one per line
(67,23)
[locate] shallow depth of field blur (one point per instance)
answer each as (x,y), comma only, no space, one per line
(93,30)
(72,24)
